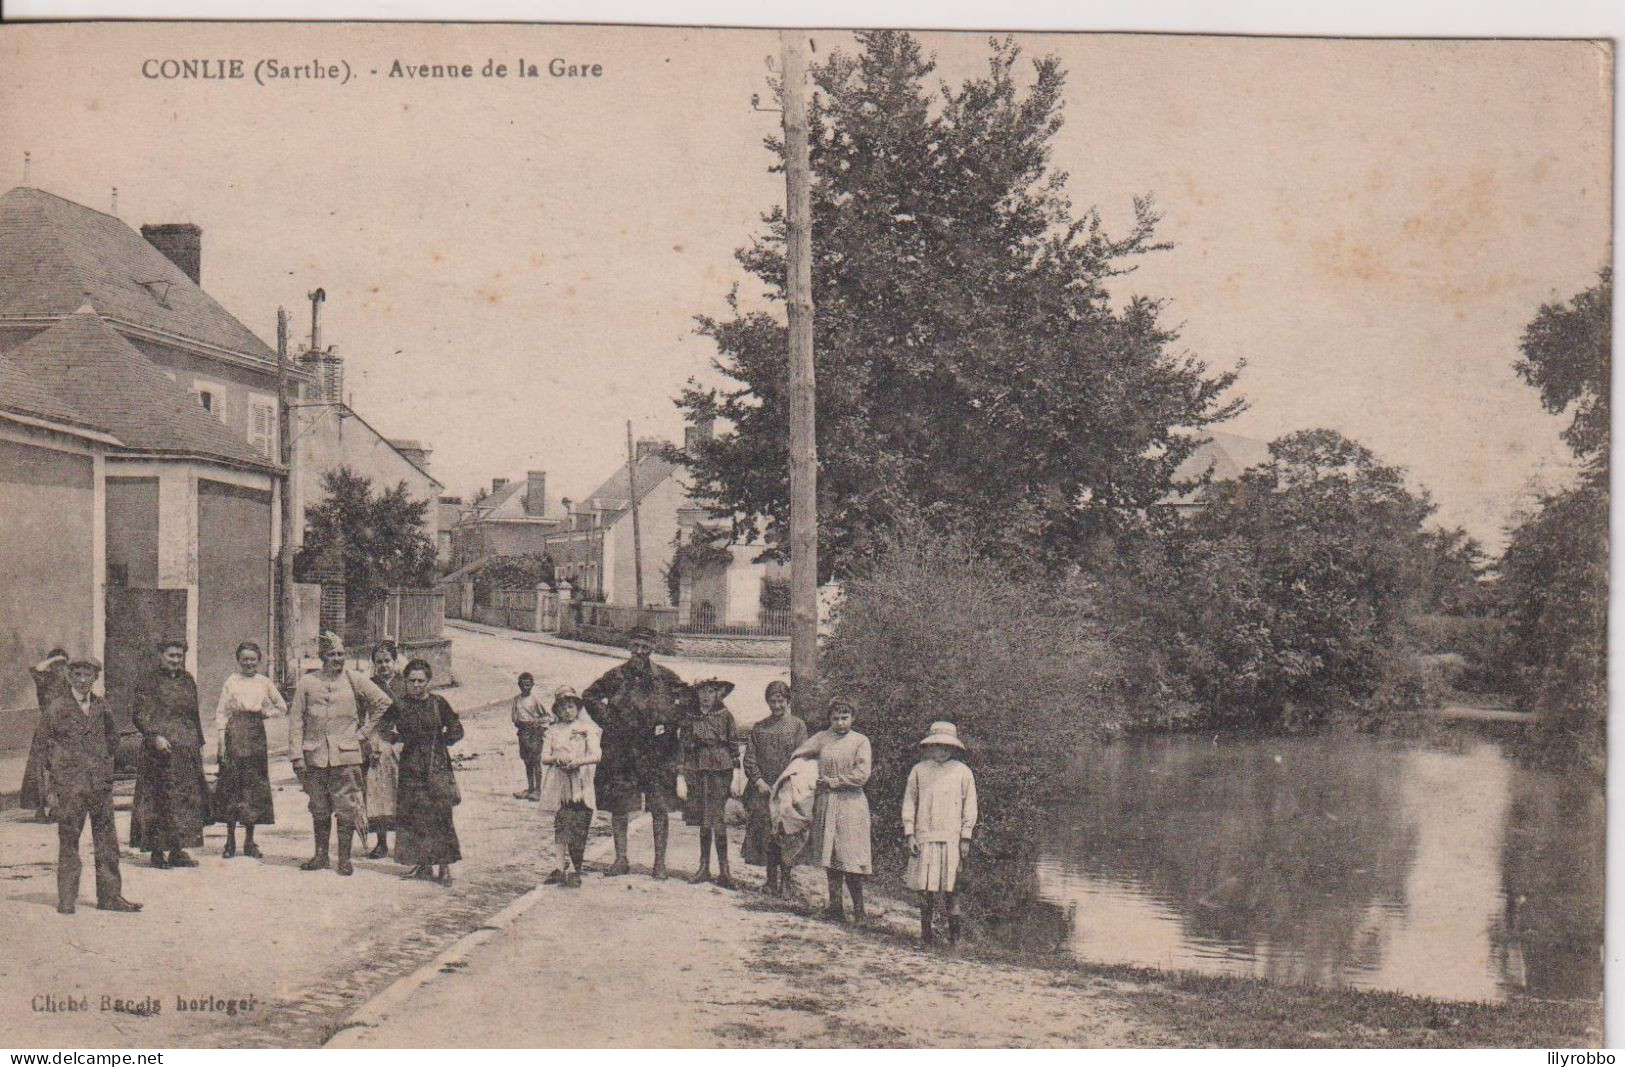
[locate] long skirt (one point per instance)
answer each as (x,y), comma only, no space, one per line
(935,869)
(759,844)
(242,793)
(171,804)
(383,788)
(424,831)
(707,803)
(33,791)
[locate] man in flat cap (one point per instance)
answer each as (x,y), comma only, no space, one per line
(79,740)
(640,706)
(171,798)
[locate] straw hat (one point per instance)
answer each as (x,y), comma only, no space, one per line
(944,733)
(566,693)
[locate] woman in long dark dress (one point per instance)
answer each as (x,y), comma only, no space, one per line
(242,794)
(426,726)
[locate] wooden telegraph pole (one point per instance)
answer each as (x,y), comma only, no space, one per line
(803,440)
(284,454)
(637,534)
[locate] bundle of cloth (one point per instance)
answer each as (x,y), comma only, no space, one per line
(791,808)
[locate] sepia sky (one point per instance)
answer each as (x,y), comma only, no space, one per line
(512,266)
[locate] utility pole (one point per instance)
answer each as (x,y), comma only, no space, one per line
(803,392)
(284,452)
(637,534)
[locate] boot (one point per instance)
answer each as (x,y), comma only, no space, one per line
(321,826)
(835,909)
(617,826)
(772,886)
(854,886)
(381,849)
(724,876)
(927,910)
(116,904)
(662,831)
(953,929)
(179,858)
(231,841)
(346,834)
(703,875)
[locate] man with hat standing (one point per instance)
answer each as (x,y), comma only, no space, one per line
(79,739)
(171,797)
(331,725)
(640,706)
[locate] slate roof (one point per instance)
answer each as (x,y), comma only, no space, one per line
(617,494)
(89,367)
(56,255)
(20,394)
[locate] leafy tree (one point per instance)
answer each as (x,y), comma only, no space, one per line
(1567,355)
(1555,569)
(1294,586)
(524,571)
(971,366)
(379,535)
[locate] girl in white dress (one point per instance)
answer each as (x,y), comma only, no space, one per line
(939,814)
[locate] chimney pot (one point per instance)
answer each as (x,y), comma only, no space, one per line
(181,243)
(498,483)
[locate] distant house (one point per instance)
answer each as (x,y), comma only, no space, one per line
(513,519)
(448,513)
(113,326)
(1225,455)
(593,548)
(329,433)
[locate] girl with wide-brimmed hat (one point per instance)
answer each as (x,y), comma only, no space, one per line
(709,751)
(570,754)
(939,815)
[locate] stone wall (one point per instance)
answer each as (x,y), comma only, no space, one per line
(708,646)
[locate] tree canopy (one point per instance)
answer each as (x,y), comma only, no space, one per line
(380,536)
(971,364)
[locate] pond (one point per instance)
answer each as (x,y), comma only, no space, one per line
(1343,860)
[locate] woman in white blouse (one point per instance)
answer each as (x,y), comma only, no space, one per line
(243,790)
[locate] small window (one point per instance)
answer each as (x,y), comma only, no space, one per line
(206,398)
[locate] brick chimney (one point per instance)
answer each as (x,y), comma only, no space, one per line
(535,492)
(696,433)
(182,243)
(649,446)
(497,484)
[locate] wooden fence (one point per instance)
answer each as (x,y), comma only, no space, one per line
(405,616)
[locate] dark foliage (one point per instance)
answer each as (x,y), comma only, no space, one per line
(971,366)
(380,536)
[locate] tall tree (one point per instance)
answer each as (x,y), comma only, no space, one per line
(380,534)
(1296,584)
(1555,570)
(971,365)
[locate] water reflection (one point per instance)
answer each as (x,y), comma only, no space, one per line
(1331,860)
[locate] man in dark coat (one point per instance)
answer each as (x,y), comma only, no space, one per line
(171,798)
(79,741)
(639,705)
(50,681)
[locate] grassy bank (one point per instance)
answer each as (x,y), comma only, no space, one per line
(1222,1011)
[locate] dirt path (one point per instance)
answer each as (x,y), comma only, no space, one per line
(631,962)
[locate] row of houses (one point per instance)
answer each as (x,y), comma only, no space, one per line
(138,467)
(591,544)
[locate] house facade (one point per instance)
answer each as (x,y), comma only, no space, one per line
(515,518)
(168,513)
